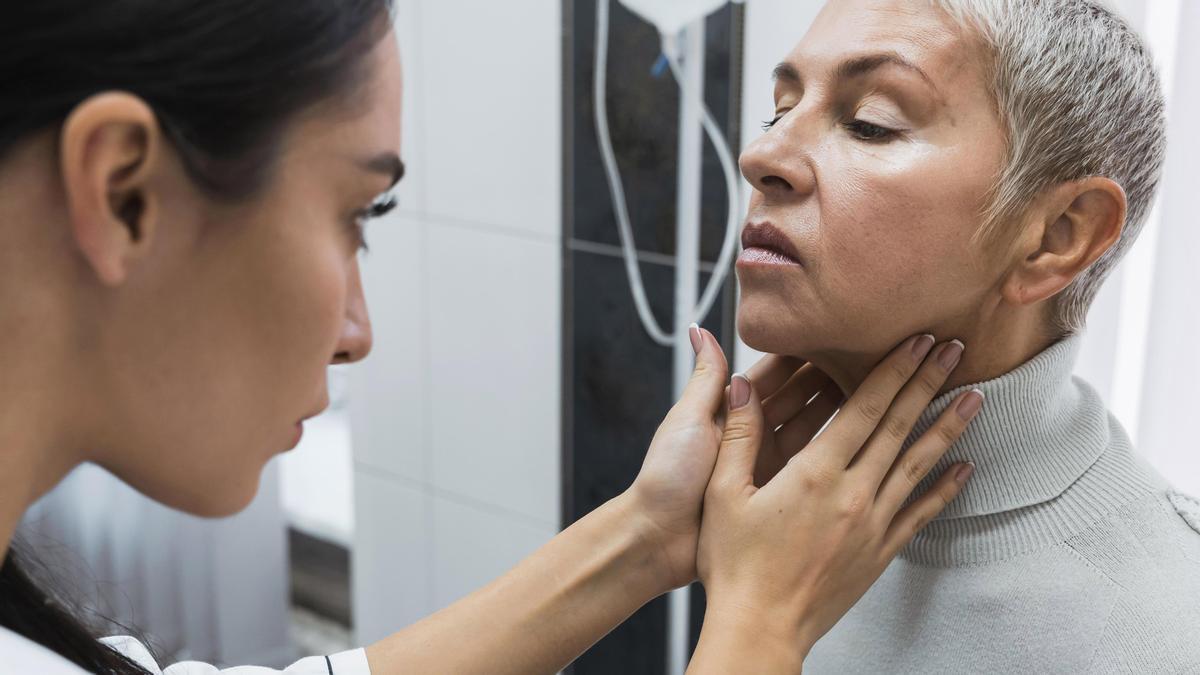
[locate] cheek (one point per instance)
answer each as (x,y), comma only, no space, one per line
(312,291)
(283,314)
(895,230)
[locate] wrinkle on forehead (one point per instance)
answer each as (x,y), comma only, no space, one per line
(919,31)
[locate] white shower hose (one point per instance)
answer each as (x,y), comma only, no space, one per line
(720,144)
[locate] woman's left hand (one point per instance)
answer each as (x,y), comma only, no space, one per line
(667,495)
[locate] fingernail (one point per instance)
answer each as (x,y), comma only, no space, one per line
(969,405)
(950,354)
(922,346)
(739,391)
(697,340)
(964,472)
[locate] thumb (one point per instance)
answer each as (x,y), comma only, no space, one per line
(743,435)
(703,395)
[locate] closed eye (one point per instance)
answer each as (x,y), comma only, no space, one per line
(865,131)
(862,130)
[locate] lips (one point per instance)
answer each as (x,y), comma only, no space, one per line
(763,242)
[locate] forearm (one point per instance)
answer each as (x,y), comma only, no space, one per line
(542,614)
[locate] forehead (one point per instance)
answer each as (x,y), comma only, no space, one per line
(366,121)
(916,30)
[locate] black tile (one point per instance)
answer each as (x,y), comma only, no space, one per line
(696,608)
(643,114)
(620,390)
(622,378)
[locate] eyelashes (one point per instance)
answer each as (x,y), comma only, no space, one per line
(382,206)
(863,131)
(869,132)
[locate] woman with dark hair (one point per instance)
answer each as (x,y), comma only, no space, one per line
(183,187)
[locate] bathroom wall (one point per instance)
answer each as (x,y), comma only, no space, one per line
(455,417)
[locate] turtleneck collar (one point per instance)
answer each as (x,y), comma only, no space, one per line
(1039,430)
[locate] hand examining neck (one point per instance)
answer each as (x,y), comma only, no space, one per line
(991,349)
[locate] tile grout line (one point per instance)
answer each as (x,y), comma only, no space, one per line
(449,495)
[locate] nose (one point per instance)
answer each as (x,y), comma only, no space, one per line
(354,343)
(779,163)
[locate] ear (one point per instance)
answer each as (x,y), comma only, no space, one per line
(1070,228)
(109,149)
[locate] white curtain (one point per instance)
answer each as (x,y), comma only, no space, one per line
(1139,346)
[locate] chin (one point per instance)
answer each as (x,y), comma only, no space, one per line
(215,496)
(771,329)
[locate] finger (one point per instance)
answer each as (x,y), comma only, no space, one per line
(879,453)
(772,372)
(914,517)
(866,406)
(798,431)
(916,462)
(741,439)
(793,396)
(704,392)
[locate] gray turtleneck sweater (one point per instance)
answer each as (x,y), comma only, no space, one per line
(1066,552)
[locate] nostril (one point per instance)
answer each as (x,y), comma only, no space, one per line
(341,357)
(776,182)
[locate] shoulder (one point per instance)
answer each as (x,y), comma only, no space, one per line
(21,655)
(1187,508)
(1151,551)
(351,662)
(133,650)
(1145,540)
(1152,631)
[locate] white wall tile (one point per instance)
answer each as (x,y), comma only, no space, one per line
(494,336)
(391,572)
(388,404)
(492,112)
(460,397)
(473,546)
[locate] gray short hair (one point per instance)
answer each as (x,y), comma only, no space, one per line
(1078,95)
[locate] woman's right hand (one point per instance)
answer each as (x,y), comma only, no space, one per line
(782,563)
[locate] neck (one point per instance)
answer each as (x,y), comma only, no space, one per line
(41,360)
(992,348)
(37,445)
(29,464)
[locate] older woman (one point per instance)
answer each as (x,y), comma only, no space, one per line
(976,168)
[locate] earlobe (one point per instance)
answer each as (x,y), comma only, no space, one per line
(109,148)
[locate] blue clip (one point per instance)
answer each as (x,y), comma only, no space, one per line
(660,66)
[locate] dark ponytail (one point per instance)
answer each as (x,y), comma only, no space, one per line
(224,78)
(50,621)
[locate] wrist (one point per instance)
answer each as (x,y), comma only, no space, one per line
(751,640)
(652,544)
(772,623)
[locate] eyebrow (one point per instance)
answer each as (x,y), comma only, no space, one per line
(856,67)
(388,164)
